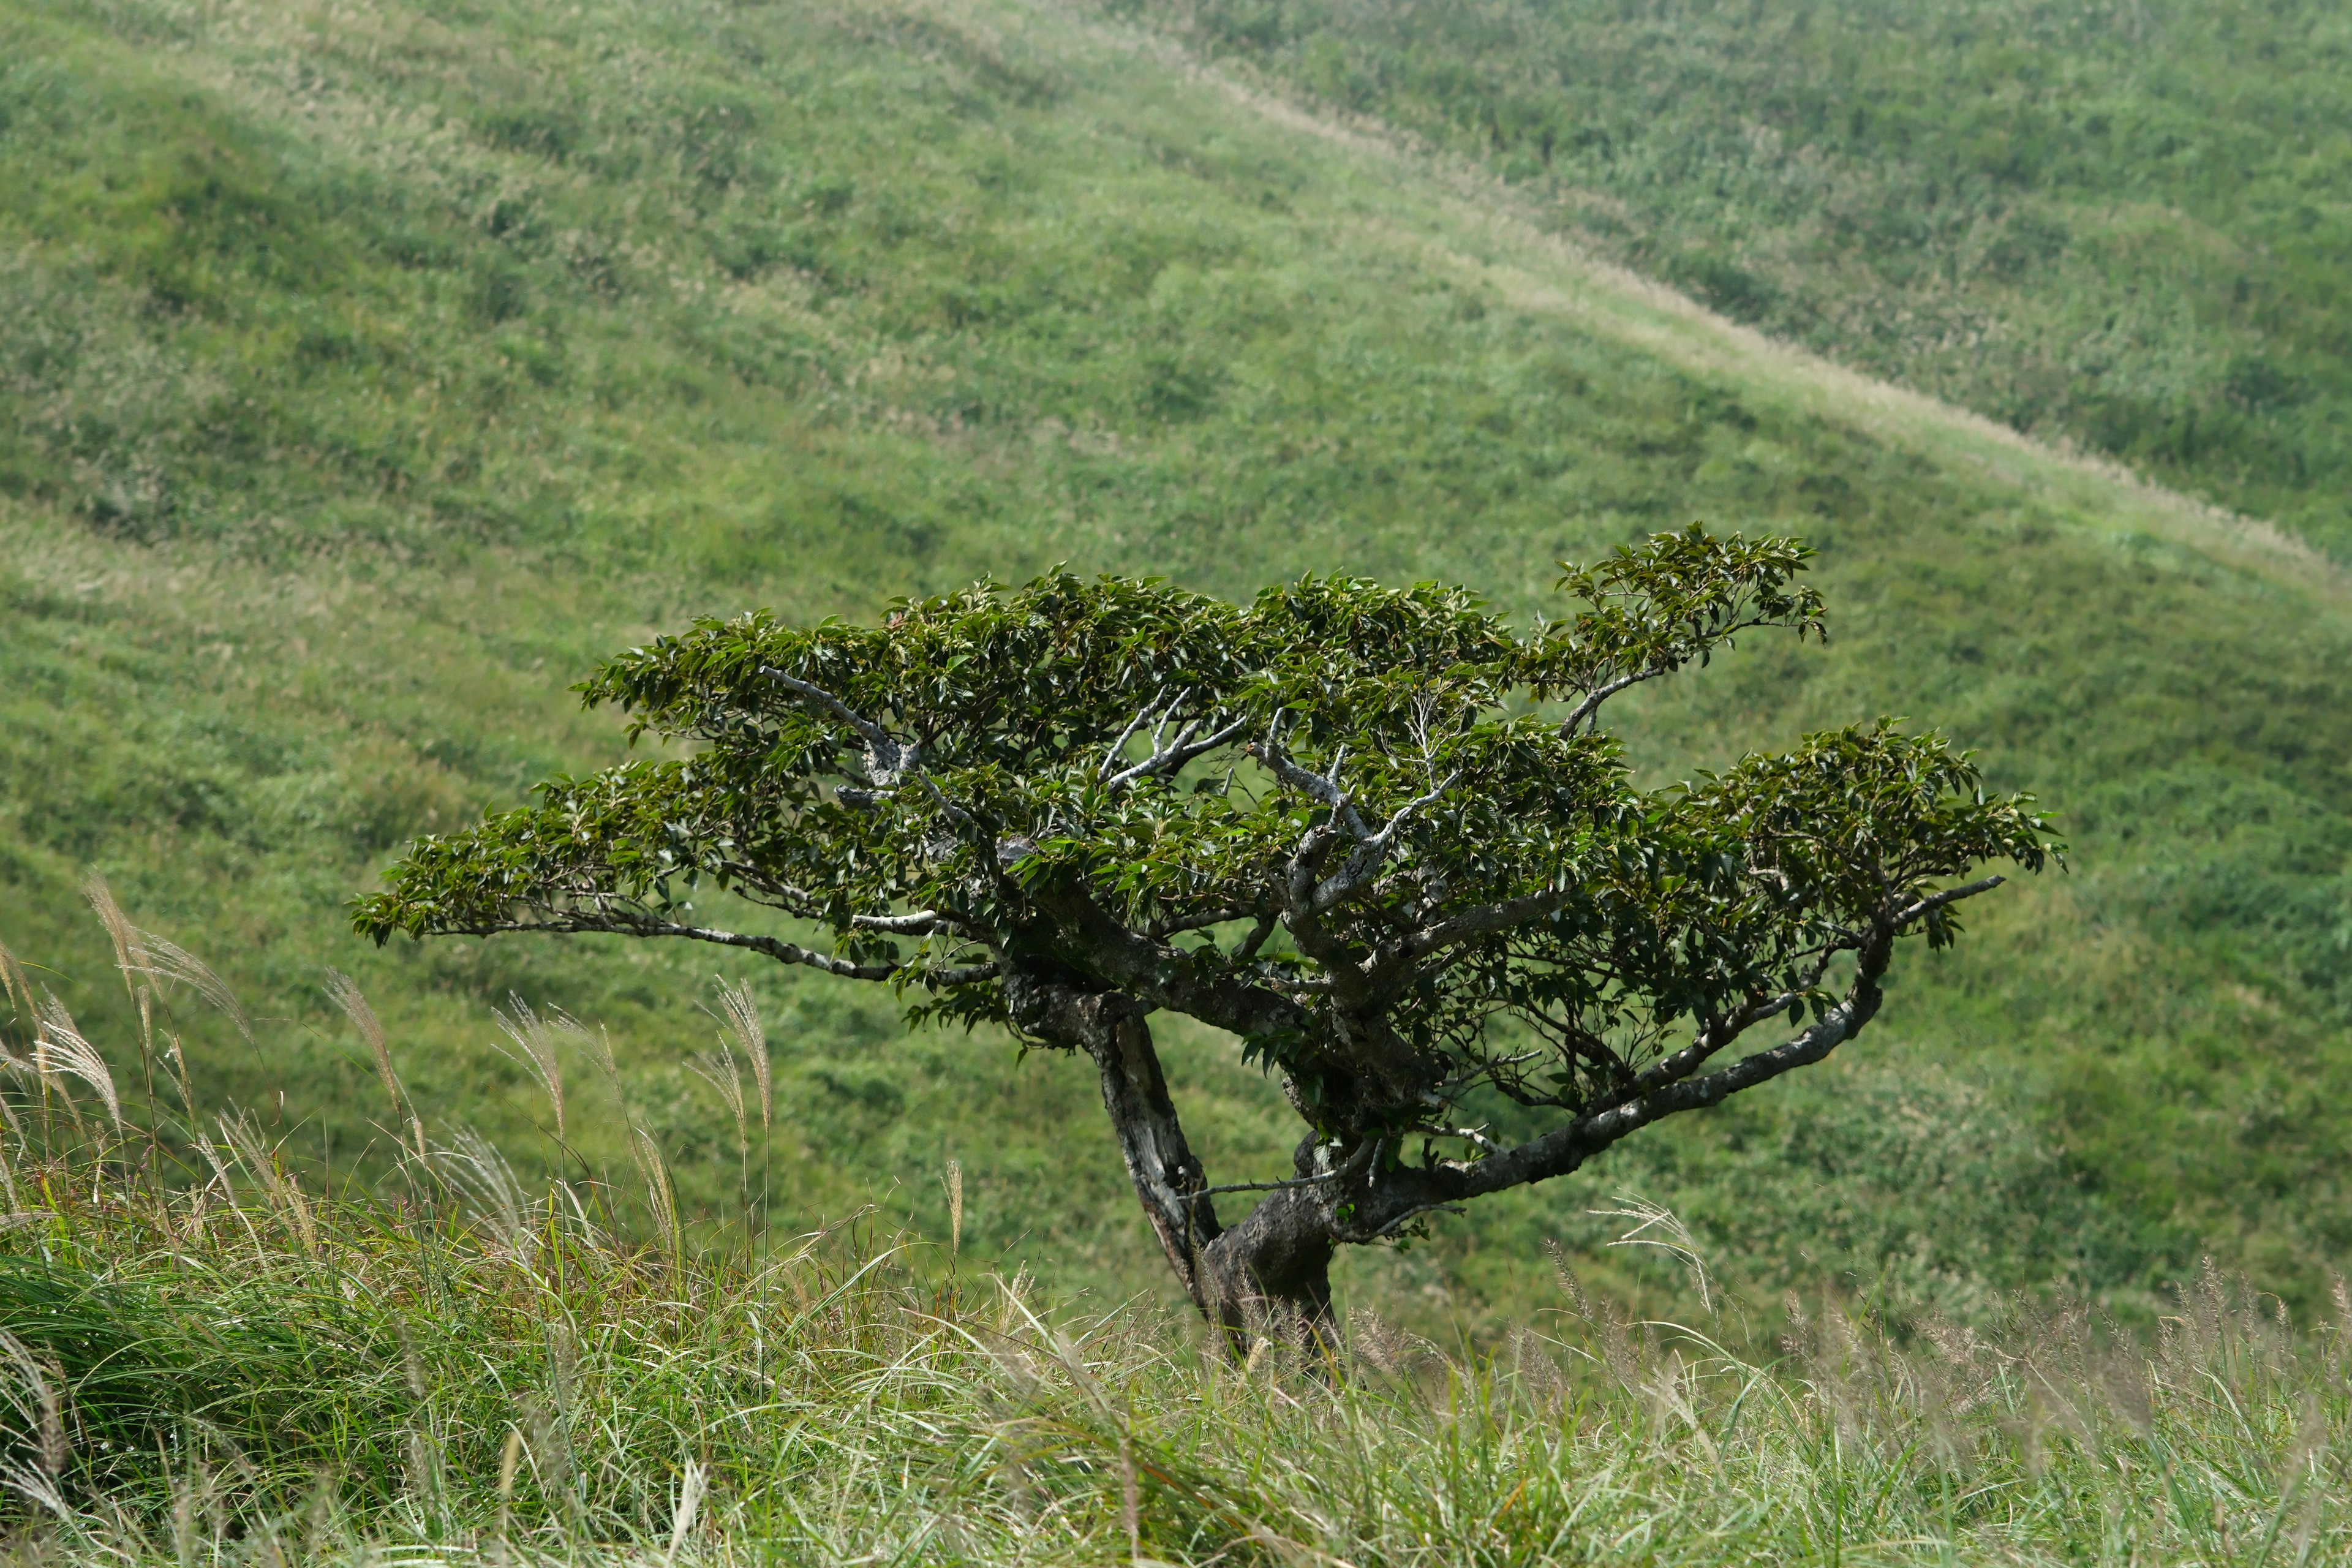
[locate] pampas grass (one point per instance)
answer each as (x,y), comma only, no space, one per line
(213,1365)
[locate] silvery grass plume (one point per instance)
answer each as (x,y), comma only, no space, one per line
(661,1197)
(140,953)
(473,1166)
(13,982)
(740,1011)
(955,1205)
(31,1391)
(719,1069)
(279,1185)
(60,1051)
(536,1038)
(344,992)
(1660,1227)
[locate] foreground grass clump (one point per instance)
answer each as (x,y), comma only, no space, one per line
(245,1374)
(205,1359)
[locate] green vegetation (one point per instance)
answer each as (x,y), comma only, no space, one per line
(366,373)
(233,1369)
(2123,224)
(1376,835)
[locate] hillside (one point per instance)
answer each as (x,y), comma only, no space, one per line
(368,371)
(2121,225)
(248,1375)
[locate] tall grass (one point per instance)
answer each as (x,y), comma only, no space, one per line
(210,1354)
(2074,217)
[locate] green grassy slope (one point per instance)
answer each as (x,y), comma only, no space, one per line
(367,372)
(2124,224)
(532,1387)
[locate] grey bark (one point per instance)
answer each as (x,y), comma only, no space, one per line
(1270,1274)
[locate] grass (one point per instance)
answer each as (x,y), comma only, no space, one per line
(227,1365)
(2117,226)
(367,373)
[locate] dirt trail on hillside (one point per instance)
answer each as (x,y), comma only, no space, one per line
(1611,301)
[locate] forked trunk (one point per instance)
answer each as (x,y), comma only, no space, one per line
(1271,1274)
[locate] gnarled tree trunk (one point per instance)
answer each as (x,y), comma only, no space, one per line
(1268,1275)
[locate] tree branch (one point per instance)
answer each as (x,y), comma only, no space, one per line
(1176,756)
(621,923)
(921,922)
(1948,896)
(1356,1163)
(885,757)
(1565,1149)
(1161,930)
(1371,852)
(1717,1034)
(1161,976)
(1591,706)
(1667,663)
(1483,920)
(1111,752)
(1558,1152)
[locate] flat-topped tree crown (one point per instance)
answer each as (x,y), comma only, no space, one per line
(1376,834)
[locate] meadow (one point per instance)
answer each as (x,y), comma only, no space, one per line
(226,1365)
(2119,225)
(366,372)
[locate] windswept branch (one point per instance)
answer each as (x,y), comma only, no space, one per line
(1170,755)
(1589,710)
(1718,1032)
(1371,852)
(1558,1153)
(625,922)
(1159,931)
(1393,961)
(885,758)
(1356,1163)
(921,923)
(1665,661)
(1949,896)
(1161,976)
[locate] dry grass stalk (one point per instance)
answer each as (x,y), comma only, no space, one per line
(740,1011)
(144,953)
(36,1399)
(660,1199)
(1672,1237)
(243,1135)
(474,1167)
(19,990)
(718,1070)
(60,1051)
(955,1205)
(536,1036)
(131,954)
(344,992)
(599,1049)
(691,1484)
(510,1460)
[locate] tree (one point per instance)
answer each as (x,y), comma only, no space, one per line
(1376,835)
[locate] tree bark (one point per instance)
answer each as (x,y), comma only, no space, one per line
(1272,1272)
(1268,1275)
